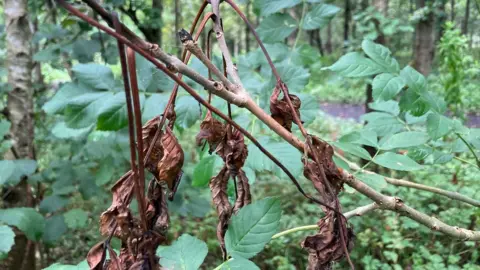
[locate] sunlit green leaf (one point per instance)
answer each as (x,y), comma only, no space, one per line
(319,16)
(64,95)
(95,75)
(52,203)
(380,55)
(82,110)
(268,7)
(203,171)
(404,140)
(396,162)
(438,125)
(8,239)
(187,253)
(55,227)
(113,114)
(414,79)
(373,180)
(355,150)
(276,27)
(76,218)
(252,228)
(7,168)
(355,65)
(386,86)
(239,263)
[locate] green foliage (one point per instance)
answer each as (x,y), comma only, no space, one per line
(319,16)
(187,253)
(27,220)
(276,27)
(8,239)
(252,228)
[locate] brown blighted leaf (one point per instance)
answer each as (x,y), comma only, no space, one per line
(114,262)
(233,151)
(126,257)
(96,256)
(148,134)
(280,110)
(325,152)
(218,186)
(157,210)
(212,131)
(122,196)
(170,166)
(244,196)
(325,247)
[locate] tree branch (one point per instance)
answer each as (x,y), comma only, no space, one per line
(404,183)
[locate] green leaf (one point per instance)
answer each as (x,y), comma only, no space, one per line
(64,95)
(186,253)
(105,172)
(405,140)
(414,79)
(436,103)
(252,228)
(82,110)
(25,219)
(319,16)
(419,153)
(52,203)
(309,108)
(188,111)
(7,167)
(55,227)
(4,128)
(382,123)
(239,263)
(61,131)
(353,149)
(268,7)
(364,137)
(390,106)
(380,55)
(295,77)
(154,106)
(95,75)
(113,115)
(8,239)
(23,167)
(145,71)
(203,171)
(76,218)
(440,157)
(276,28)
(438,125)
(386,86)
(355,65)
(373,180)
(396,162)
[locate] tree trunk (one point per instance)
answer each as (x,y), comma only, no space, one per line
(328,43)
(247,30)
(452,10)
(364,4)
(177,27)
(424,41)
(20,114)
(346,22)
(466,18)
(318,39)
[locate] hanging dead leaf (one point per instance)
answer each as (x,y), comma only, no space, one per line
(218,186)
(280,111)
(212,131)
(96,256)
(244,196)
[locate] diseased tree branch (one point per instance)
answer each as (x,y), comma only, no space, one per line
(404,183)
(173,63)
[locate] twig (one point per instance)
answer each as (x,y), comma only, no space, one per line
(360,211)
(397,205)
(131,132)
(404,183)
(470,148)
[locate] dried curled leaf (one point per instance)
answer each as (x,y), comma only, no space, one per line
(325,247)
(122,196)
(157,210)
(96,256)
(212,131)
(218,186)
(280,110)
(244,196)
(166,158)
(233,151)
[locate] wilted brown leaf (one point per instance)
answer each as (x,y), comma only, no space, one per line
(157,212)
(244,196)
(96,256)
(212,131)
(218,186)
(280,110)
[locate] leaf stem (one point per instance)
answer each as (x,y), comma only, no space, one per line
(304,9)
(470,148)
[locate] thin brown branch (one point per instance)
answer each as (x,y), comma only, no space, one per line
(404,183)
(131,128)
